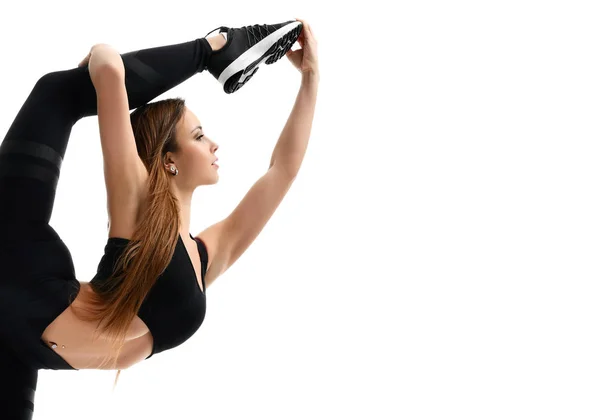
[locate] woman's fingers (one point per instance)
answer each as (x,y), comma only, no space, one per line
(304,24)
(306,32)
(85,60)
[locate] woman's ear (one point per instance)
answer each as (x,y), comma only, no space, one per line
(168,160)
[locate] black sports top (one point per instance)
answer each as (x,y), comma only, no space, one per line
(175,307)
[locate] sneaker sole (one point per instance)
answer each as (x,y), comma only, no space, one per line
(267,51)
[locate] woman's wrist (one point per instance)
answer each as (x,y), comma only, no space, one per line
(310,77)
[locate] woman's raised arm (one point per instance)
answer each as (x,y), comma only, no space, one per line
(124,173)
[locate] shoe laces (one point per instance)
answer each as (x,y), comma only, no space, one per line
(258,32)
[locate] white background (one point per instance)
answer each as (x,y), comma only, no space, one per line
(437,256)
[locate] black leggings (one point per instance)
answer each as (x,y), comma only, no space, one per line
(36,269)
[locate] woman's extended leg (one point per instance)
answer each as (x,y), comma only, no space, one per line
(32,151)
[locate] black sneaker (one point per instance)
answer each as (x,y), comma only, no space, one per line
(247,48)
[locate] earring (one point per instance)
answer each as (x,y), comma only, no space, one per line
(174,170)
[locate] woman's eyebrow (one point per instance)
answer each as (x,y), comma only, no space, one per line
(195,128)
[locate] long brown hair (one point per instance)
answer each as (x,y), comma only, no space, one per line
(117,300)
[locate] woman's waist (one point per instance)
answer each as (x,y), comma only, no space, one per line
(79,342)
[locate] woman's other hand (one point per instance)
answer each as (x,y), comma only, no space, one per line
(305,58)
(103,56)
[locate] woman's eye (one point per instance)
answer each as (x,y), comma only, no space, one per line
(199,137)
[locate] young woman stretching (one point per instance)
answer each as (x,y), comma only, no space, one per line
(149,293)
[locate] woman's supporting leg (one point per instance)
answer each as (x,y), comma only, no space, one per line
(32,151)
(17,386)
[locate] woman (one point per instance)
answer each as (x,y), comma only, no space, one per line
(149,292)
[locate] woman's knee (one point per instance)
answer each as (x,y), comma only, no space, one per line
(62,89)
(51,82)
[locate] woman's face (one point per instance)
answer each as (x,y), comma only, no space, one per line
(196,153)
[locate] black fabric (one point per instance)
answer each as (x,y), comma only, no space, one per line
(17,387)
(37,283)
(175,307)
